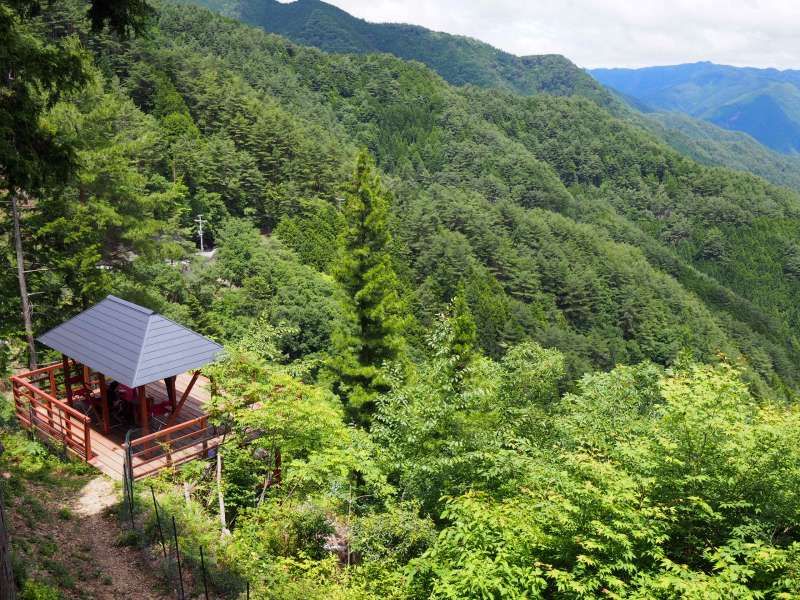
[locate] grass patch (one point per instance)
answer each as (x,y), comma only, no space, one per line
(35,590)
(129,538)
(32,510)
(48,548)
(19,566)
(61,574)
(27,459)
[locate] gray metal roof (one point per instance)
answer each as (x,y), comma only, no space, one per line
(130,343)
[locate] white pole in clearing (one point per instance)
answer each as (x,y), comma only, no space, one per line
(199,221)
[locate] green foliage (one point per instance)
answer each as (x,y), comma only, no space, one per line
(37,72)
(457,59)
(298,424)
(239,244)
(129,538)
(711,145)
(398,534)
(569,342)
(274,530)
(311,231)
(28,459)
(464,331)
(456,426)
(34,590)
(658,496)
(468,61)
(373,335)
(269,130)
(124,17)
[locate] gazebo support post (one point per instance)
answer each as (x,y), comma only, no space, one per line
(67,384)
(104,403)
(174,416)
(170,383)
(144,416)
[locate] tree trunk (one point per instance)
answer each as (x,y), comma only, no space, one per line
(23,286)
(223,521)
(7,586)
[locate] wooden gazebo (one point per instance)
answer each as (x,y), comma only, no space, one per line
(120,351)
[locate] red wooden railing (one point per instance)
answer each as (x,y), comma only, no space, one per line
(48,416)
(38,408)
(172,446)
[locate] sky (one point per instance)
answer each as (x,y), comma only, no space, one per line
(612,33)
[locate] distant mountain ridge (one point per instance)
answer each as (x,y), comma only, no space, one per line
(764,103)
(458,59)
(462,60)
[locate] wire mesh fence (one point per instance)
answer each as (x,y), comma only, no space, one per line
(185,565)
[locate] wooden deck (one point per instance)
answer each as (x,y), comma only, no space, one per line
(52,419)
(109,452)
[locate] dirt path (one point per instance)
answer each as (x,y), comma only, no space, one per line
(68,539)
(131,576)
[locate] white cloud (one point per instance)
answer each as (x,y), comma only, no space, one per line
(606,33)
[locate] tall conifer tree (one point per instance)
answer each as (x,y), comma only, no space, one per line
(373,335)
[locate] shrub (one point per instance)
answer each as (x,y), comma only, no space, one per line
(34,590)
(129,538)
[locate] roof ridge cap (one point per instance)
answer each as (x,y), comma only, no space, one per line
(129,304)
(142,346)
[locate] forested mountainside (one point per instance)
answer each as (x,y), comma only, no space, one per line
(563,224)
(764,103)
(461,60)
(505,345)
(712,145)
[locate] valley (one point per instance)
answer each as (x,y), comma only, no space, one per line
(491,329)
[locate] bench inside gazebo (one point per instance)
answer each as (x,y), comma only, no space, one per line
(127,391)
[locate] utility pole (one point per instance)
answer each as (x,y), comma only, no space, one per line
(23,286)
(199,221)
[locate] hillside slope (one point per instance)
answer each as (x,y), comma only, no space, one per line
(560,223)
(459,60)
(712,145)
(478,344)
(462,60)
(66,540)
(726,237)
(764,103)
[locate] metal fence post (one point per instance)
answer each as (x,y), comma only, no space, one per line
(158,521)
(203,567)
(178,556)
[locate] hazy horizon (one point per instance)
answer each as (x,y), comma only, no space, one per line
(612,33)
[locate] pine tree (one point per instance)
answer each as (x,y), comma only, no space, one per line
(465,332)
(373,334)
